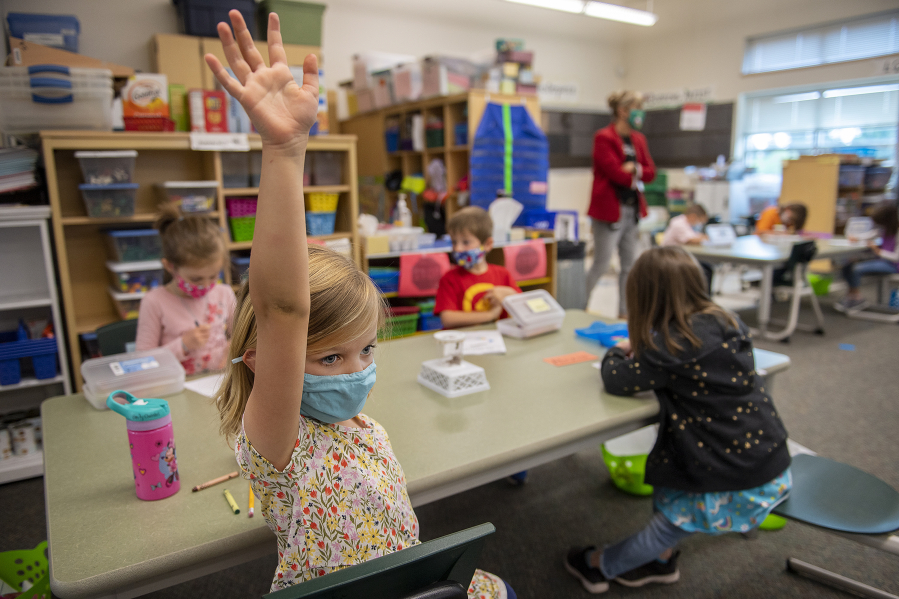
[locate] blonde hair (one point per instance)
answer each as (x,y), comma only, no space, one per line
(474,220)
(665,289)
(188,240)
(624,98)
(344,305)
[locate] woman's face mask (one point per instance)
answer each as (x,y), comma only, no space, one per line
(635,118)
(336,397)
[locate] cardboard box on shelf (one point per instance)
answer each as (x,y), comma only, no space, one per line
(26,54)
(207,111)
(146,95)
(178,107)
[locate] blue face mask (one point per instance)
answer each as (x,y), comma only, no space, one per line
(336,397)
(469,258)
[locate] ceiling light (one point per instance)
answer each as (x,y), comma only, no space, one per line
(574,6)
(857,91)
(796,98)
(600,10)
(620,13)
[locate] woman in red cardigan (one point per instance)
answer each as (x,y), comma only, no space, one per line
(621,163)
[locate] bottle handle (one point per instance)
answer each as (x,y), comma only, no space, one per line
(119,401)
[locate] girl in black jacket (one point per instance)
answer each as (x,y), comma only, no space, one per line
(720,462)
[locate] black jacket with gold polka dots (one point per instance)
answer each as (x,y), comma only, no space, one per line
(718,428)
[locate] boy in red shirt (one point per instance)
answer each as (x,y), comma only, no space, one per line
(473,292)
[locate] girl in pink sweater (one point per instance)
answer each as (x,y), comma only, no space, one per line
(190,315)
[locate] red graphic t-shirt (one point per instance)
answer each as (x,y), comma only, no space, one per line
(464,291)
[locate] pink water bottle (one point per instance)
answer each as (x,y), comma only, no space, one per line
(152,444)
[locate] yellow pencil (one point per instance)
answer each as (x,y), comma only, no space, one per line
(252,497)
(231,501)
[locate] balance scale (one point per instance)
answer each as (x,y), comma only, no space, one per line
(450,375)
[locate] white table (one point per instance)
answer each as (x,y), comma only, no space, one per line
(750,250)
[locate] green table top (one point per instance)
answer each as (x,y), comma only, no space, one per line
(104,539)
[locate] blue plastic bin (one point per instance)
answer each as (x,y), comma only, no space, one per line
(56,31)
(429,322)
(392,140)
(538,219)
(461,131)
(385,278)
(606,334)
(320,223)
(42,352)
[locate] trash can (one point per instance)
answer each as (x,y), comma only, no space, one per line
(570,289)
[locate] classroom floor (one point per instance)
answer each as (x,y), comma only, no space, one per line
(842,404)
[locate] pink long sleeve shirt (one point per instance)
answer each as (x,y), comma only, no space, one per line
(165,317)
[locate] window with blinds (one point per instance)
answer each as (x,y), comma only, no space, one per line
(864,37)
(860,119)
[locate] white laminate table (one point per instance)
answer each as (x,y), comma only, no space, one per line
(750,250)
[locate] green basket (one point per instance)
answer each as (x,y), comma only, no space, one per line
(242,228)
(401,326)
(301,22)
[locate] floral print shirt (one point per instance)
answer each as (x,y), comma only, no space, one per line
(340,501)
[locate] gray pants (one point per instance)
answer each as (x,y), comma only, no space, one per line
(623,235)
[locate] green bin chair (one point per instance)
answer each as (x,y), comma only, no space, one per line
(28,566)
(437,569)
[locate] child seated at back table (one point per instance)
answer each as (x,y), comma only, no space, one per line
(787,219)
(681,230)
(191,314)
(720,462)
(472,292)
(302,362)
(884,262)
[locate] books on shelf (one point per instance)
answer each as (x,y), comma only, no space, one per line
(17,168)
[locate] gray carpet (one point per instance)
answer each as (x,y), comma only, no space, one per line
(842,404)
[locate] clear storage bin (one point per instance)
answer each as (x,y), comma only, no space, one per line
(105,168)
(43,97)
(135,245)
(191,196)
(145,374)
(127,304)
(107,201)
(135,277)
(236,170)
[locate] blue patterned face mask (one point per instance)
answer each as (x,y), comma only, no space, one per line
(468,259)
(336,397)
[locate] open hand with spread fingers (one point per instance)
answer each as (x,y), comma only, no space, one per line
(282,111)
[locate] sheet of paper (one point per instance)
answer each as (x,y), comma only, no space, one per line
(596,365)
(480,343)
(569,359)
(207,385)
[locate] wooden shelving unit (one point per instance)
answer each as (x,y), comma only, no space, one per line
(376,161)
(80,244)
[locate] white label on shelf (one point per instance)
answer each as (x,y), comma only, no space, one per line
(220,142)
(135,365)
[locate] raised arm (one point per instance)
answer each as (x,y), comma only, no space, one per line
(283,113)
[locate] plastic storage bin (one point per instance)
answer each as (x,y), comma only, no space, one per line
(191,196)
(402,321)
(239,266)
(606,334)
(301,22)
(127,304)
(238,207)
(150,373)
(235,169)
(200,17)
(532,313)
(135,277)
(135,245)
(105,168)
(851,175)
(430,322)
(43,97)
(461,132)
(327,168)
(322,202)
(242,228)
(56,31)
(385,278)
(40,353)
(106,201)
(625,457)
(320,223)
(877,177)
